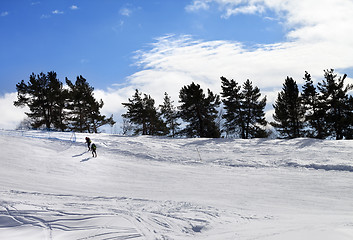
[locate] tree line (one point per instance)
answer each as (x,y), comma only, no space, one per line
(321,111)
(54,107)
(324,110)
(200,113)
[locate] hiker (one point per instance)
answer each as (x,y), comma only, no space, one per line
(88,141)
(94,148)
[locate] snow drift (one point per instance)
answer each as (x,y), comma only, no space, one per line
(161,188)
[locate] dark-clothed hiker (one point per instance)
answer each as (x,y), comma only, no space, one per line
(88,141)
(94,148)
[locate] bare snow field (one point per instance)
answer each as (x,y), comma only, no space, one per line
(161,188)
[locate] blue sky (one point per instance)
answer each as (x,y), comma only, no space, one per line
(98,39)
(159,46)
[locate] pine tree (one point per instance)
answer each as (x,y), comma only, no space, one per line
(143,114)
(348,131)
(289,113)
(244,111)
(199,111)
(57,99)
(232,98)
(84,109)
(170,114)
(314,110)
(95,119)
(155,124)
(135,113)
(253,112)
(45,97)
(79,105)
(334,95)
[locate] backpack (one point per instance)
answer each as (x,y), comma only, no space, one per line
(93,147)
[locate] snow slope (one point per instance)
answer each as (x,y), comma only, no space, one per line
(160,188)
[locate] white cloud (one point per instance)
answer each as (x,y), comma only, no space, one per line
(204,62)
(248,9)
(4,14)
(57,12)
(317,40)
(73,7)
(298,15)
(125,12)
(197,5)
(112,99)
(11,116)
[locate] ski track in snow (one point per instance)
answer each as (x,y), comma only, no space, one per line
(104,217)
(161,188)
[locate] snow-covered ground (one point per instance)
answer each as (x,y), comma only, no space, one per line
(161,188)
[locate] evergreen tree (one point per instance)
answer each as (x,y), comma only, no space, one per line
(155,124)
(232,98)
(334,95)
(348,131)
(143,114)
(244,111)
(45,97)
(135,113)
(199,111)
(253,112)
(95,119)
(289,113)
(84,109)
(57,100)
(314,110)
(170,114)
